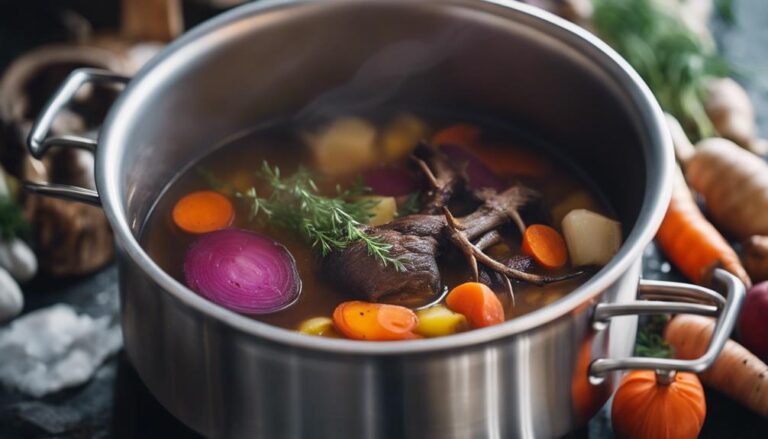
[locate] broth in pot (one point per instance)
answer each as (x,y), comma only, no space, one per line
(381,228)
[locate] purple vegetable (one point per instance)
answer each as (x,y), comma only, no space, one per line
(390,182)
(753,321)
(478,174)
(242,271)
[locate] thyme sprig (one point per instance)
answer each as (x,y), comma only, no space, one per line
(328,223)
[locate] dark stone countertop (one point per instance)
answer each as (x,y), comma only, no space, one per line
(115,403)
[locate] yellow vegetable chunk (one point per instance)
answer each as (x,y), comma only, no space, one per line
(402,135)
(319,326)
(346,146)
(437,321)
(384,211)
(592,239)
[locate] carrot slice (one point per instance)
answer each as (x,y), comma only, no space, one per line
(203,212)
(545,245)
(375,321)
(478,303)
(514,160)
(462,134)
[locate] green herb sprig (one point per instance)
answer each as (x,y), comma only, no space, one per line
(328,223)
(12,221)
(650,342)
(410,206)
(674,60)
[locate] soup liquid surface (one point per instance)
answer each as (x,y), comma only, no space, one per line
(236,164)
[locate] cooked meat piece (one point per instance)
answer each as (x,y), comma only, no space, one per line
(359,274)
(445,179)
(415,239)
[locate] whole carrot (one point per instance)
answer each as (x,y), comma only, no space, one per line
(736,372)
(691,242)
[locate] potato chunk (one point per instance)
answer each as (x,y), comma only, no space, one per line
(592,239)
(437,321)
(384,211)
(319,326)
(402,135)
(346,146)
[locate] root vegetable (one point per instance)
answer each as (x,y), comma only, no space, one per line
(759,147)
(348,145)
(731,111)
(11,299)
(691,242)
(592,239)
(754,254)
(375,321)
(461,134)
(438,321)
(319,326)
(203,212)
(684,149)
(734,185)
(736,372)
(383,211)
(753,321)
(402,135)
(545,246)
(576,200)
(478,303)
(18,259)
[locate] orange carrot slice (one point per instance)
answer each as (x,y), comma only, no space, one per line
(375,321)
(513,160)
(203,212)
(545,245)
(462,134)
(478,303)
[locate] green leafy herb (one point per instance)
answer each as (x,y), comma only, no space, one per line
(650,342)
(329,223)
(12,221)
(725,11)
(674,61)
(410,206)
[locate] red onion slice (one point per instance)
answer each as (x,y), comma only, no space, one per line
(242,271)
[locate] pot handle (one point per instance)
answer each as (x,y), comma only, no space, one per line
(691,299)
(39,142)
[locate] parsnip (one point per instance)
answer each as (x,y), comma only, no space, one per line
(736,372)
(730,110)
(754,254)
(592,239)
(734,185)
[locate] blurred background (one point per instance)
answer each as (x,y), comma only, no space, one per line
(58,255)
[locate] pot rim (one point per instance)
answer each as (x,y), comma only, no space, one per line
(655,201)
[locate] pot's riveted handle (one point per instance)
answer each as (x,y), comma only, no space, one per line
(691,299)
(39,142)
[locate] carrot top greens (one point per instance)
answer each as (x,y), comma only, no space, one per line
(329,223)
(671,58)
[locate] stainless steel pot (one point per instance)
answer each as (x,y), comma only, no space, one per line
(540,375)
